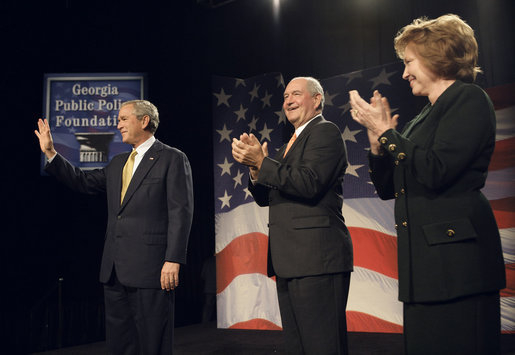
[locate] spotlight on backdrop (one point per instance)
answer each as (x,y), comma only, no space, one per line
(277,6)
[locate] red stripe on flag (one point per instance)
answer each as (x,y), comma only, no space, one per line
(362,322)
(503,204)
(246,254)
(504,211)
(504,155)
(502,96)
(509,291)
(257,323)
(505,219)
(375,251)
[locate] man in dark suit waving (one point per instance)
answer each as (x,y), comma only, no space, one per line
(310,249)
(150,208)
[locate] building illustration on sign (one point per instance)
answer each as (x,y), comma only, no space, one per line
(94,147)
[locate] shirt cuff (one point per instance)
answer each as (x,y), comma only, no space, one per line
(50,159)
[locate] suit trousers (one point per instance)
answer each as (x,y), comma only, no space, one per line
(139,321)
(313,313)
(467,325)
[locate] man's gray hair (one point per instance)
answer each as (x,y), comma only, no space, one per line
(314,87)
(142,108)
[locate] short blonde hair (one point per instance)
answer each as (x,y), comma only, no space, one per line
(446,45)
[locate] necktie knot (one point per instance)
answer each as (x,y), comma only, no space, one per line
(290,143)
(127,173)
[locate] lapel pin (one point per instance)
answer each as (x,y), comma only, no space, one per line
(151,158)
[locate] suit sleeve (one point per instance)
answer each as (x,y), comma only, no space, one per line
(466,127)
(90,182)
(179,190)
(259,193)
(311,174)
(381,174)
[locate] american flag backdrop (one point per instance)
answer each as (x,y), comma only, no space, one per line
(500,191)
(246,297)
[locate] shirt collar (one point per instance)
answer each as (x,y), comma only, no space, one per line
(299,130)
(143,147)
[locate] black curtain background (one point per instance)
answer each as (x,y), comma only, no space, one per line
(50,233)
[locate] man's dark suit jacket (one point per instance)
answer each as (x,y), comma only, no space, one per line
(448,240)
(307,233)
(153,223)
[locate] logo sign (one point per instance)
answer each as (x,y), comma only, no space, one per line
(82,110)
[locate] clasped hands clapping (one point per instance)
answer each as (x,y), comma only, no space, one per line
(249,151)
(374,116)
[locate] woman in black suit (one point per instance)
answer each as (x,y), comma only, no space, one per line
(450,259)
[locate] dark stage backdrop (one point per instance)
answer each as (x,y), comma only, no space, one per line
(50,233)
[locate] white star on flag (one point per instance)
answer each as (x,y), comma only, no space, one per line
(266,99)
(252,124)
(254,92)
(247,193)
(353,75)
(282,117)
(222,97)
(345,108)
(241,113)
(265,133)
(224,134)
(240,82)
(351,169)
(382,78)
(225,200)
(237,178)
(280,80)
(226,167)
(329,98)
(349,135)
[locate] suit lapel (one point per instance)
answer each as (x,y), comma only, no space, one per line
(300,138)
(280,152)
(148,161)
(118,181)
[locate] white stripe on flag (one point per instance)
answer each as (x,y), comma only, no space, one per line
(500,184)
(505,127)
(508,244)
(247,297)
(244,219)
(375,294)
(369,213)
(507,314)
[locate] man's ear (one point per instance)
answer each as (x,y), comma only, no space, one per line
(145,121)
(318,100)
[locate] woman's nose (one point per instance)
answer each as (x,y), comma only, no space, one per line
(405,74)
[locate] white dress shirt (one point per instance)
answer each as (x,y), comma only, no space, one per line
(142,149)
